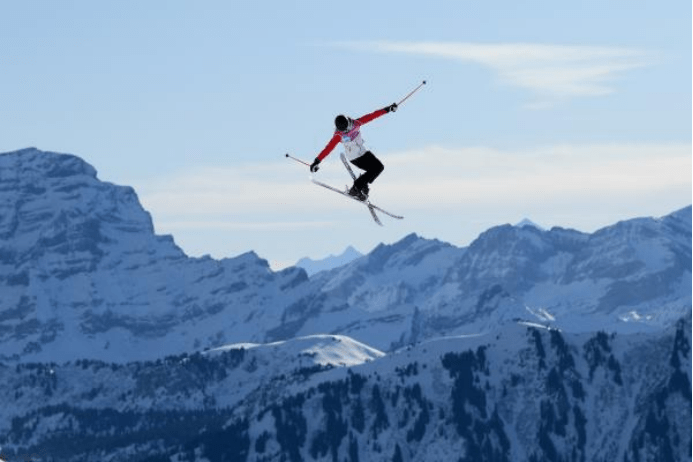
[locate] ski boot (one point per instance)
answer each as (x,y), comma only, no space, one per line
(360,194)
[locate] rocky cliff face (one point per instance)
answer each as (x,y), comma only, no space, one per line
(83,273)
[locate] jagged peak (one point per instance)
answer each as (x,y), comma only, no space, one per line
(502,235)
(408,241)
(328,263)
(527,223)
(405,242)
(350,251)
(250,257)
(408,251)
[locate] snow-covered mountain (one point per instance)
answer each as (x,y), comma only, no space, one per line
(526,345)
(333,261)
(83,274)
(632,276)
(521,393)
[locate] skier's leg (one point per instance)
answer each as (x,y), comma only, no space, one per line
(372,166)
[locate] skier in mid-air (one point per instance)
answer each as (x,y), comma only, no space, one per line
(348,131)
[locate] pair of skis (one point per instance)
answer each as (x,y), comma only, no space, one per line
(371,207)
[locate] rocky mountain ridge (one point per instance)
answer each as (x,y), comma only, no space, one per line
(83,274)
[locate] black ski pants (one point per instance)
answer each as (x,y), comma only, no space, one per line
(372,166)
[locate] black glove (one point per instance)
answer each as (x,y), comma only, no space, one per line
(314,167)
(391,108)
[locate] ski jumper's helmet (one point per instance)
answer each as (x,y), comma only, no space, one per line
(341,122)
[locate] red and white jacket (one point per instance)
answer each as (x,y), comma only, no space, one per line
(353,143)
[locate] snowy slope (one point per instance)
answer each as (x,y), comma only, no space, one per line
(521,393)
(323,350)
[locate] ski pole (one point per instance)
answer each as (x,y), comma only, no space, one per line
(297,160)
(414,91)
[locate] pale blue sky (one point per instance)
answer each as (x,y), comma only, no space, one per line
(571,113)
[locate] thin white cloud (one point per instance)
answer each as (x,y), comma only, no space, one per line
(552,72)
(562,173)
(267,189)
(447,193)
(433,179)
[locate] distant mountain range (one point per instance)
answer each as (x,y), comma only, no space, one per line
(333,261)
(83,274)
(529,344)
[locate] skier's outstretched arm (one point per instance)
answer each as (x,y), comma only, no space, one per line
(324,153)
(375,114)
(330,146)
